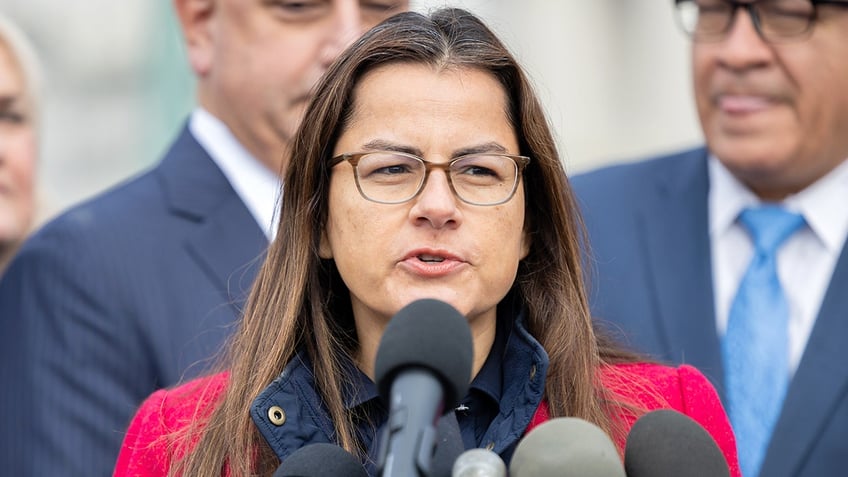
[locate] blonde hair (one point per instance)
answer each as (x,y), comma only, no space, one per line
(24,55)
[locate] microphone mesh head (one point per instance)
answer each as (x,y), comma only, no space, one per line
(428,334)
(566,447)
(667,443)
(320,460)
(478,463)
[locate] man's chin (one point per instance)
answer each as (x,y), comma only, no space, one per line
(753,147)
(763,168)
(743,161)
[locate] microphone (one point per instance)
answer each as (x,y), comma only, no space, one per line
(478,463)
(423,367)
(320,460)
(666,443)
(566,447)
(448,447)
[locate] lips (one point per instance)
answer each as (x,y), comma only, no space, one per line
(743,104)
(432,263)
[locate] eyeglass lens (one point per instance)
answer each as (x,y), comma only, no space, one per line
(711,20)
(478,179)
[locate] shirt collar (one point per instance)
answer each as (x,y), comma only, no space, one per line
(257,186)
(489,380)
(819,203)
(362,390)
(828,222)
(727,198)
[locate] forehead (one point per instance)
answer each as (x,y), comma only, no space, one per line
(417,86)
(435,109)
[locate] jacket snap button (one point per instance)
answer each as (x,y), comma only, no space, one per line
(277,415)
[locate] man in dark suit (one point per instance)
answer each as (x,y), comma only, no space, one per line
(671,243)
(137,289)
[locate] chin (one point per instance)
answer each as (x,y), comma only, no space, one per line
(753,152)
(450,297)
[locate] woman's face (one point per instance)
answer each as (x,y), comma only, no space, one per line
(433,246)
(17,152)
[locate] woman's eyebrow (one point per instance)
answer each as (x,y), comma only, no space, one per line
(486,147)
(385,145)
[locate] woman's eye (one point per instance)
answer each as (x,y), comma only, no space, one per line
(478,171)
(395,169)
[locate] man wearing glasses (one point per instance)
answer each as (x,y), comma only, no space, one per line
(732,257)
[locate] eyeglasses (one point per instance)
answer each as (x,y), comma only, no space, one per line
(389,177)
(776,21)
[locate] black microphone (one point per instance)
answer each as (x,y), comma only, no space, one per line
(479,463)
(423,367)
(566,447)
(320,460)
(667,443)
(449,446)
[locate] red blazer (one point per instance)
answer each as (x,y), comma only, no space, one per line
(147,451)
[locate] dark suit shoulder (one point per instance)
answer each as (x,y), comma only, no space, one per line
(129,291)
(125,205)
(630,175)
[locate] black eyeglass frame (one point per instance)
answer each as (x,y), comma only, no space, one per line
(754,13)
(353,158)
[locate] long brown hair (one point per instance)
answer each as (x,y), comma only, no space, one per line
(299,303)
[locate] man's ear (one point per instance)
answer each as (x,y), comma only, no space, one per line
(196,19)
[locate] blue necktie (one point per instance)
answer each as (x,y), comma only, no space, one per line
(756,346)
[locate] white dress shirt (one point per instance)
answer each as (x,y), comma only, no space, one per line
(805,261)
(257,186)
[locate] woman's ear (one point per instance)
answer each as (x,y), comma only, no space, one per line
(526,241)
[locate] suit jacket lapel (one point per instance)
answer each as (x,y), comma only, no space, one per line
(230,247)
(676,234)
(226,242)
(819,383)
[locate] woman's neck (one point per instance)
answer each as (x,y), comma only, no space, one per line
(483,337)
(483,332)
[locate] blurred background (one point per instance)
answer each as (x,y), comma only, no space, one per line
(613,75)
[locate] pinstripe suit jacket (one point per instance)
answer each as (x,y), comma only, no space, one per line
(652,279)
(126,293)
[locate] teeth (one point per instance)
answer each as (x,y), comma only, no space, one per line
(430,258)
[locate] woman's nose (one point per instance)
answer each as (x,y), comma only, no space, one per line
(436,203)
